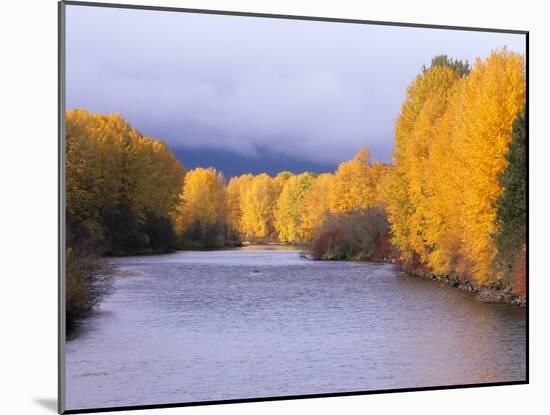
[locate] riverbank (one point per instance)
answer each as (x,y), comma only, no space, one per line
(494,293)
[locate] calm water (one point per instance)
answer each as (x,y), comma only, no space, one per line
(196,326)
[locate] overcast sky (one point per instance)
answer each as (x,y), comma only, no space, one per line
(312,91)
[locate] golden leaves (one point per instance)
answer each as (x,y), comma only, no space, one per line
(450,143)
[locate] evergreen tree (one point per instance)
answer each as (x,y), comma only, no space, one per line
(512,204)
(460,67)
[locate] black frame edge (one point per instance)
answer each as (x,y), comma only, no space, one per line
(289,17)
(291,397)
(527,273)
(61,385)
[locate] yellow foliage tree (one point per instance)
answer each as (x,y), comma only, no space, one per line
(288,217)
(244,184)
(424,105)
(233,191)
(444,201)
(353,187)
(118,182)
(314,206)
(451,138)
(203,213)
(494,94)
(280,180)
(380,176)
(257,208)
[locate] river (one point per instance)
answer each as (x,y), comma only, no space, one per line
(259,322)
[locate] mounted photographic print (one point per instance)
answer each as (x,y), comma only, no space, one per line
(258,207)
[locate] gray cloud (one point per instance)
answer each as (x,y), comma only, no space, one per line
(312,90)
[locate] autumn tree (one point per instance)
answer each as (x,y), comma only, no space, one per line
(444,202)
(314,206)
(416,126)
(233,191)
(353,186)
(493,96)
(451,139)
(288,218)
(121,190)
(279,181)
(203,214)
(380,176)
(258,206)
(360,235)
(244,183)
(118,182)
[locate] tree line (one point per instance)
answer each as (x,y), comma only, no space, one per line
(452,202)
(457,202)
(287,208)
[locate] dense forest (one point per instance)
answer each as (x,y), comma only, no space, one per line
(452,202)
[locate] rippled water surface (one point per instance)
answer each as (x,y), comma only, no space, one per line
(197,326)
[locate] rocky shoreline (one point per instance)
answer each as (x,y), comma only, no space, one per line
(495,293)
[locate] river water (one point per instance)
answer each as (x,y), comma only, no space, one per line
(259,322)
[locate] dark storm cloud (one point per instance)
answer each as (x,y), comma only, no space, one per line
(310,90)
